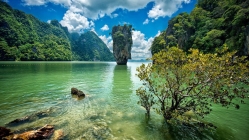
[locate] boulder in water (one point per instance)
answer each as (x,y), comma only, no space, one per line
(79,93)
(43,133)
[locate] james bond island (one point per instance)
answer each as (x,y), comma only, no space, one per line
(122,42)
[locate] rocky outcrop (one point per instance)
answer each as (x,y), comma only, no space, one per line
(175,38)
(78,93)
(122,41)
(4,132)
(44,132)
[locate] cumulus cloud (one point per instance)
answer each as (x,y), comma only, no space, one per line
(141,46)
(95,9)
(34,2)
(105,28)
(114,15)
(146,21)
(164,8)
(75,22)
(158,33)
(42,2)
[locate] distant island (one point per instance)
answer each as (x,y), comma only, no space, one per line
(141,60)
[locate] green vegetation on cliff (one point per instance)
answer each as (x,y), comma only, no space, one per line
(210,25)
(90,47)
(24,37)
(122,42)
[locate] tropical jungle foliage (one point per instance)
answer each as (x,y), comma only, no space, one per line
(24,37)
(122,36)
(210,25)
(178,83)
(90,47)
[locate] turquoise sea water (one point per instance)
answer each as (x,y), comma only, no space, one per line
(110,109)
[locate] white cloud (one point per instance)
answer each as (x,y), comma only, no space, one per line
(34,2)
(108,41)
(95,9)
(141,46)
(93,30)
(66,3)
(164,8)
(48,21)
(75,22)
(146,21)
(114,15)
(158,33)
(105,28)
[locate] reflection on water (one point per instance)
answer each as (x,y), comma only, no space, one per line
(109,111)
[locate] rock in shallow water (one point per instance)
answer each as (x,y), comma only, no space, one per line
(79,93)
(99,131)
(30,118)
(58,134)
(42,133)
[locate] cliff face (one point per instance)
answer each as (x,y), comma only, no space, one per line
(179,31)
(210,25)
(122,41)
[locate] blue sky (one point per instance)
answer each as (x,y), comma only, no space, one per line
(148,17)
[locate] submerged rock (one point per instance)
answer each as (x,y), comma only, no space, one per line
(43,133)
(30,118)
(58,134)
(99,131)
(78,93)
(122,42)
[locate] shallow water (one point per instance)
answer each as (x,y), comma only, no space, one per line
(110,109)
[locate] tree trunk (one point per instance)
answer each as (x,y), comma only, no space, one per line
(166,114)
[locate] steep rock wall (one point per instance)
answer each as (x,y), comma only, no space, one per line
(122,42)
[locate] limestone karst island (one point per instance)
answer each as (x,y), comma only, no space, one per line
(122,42)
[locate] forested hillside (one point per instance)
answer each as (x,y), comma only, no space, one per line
(211,25)
(90,47)
(24,37)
